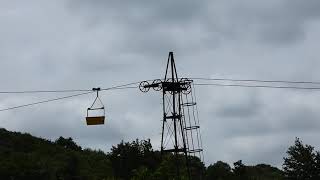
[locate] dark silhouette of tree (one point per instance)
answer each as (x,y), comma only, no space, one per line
(301,162)
(263,172)
(23,156)
(129,158)
(317,163)
(197,168)
(222,171)
(68,143)
(239,170)
(218,171)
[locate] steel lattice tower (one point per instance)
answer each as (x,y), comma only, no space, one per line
(180,124)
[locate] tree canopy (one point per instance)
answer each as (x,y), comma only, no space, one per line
(26,157)
(302,162)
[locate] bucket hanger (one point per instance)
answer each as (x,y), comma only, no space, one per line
(95,100)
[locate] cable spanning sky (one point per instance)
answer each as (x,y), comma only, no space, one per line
(129,86)
(78,45)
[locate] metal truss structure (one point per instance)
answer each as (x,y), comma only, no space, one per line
(180,124)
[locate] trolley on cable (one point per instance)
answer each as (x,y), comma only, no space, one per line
(96,114)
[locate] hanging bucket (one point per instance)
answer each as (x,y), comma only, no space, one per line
(96,116)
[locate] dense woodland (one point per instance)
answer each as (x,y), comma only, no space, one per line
(23,156)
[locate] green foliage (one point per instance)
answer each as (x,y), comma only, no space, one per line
(26,157)
(68,144)
(222,171)
(240,170)
(262,172)
(219,170)
(129,158)
(23,156)
(302,162)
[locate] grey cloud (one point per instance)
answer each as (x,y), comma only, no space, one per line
(84,44)
(136,12)
(262,116)
(301,119)
(210,23)
(240,109)
(272,22)
(158,24)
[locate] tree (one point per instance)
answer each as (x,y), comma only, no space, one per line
(127,158)
(263,172)
(317,162)
(302,162)
(239,170)
(218,171)
(68,143)
(197,167)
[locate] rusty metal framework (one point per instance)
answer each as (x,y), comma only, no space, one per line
(180,123)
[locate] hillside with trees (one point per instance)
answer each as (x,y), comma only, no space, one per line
(23,156)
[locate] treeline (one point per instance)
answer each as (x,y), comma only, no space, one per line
(23,156)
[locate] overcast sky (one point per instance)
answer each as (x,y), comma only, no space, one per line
(80,44)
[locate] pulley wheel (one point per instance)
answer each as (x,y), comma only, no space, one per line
(187,85)
(159,87)
(143,86)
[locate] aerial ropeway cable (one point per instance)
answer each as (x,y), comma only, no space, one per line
(119,87)
(145,86)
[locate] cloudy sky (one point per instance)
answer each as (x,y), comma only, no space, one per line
(80,44)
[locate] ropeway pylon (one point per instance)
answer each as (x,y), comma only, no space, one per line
(180,123)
